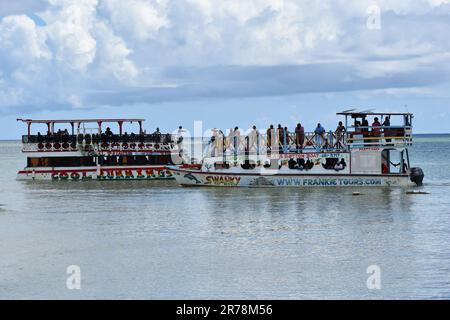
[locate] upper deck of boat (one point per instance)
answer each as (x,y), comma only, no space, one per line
(353,136)
(84,137)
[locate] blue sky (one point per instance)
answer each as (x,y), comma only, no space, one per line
(224,62)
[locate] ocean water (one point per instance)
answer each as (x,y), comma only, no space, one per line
(155,240)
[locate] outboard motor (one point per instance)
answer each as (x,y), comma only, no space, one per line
(416,175)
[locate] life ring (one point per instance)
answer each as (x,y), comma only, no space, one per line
(65,145)
(119,174)
(129,174)
(75,176)
(124,145)
(132,145)
(63,176)
(156,146)
(149,173)
(40,146)
(104,145)
(57,145)
(48,145)
(141,146)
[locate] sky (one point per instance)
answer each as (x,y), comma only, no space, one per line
(224,62)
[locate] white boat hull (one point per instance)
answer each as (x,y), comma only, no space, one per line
(189,177)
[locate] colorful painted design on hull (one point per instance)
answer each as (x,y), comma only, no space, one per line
(214,179)
(104,174)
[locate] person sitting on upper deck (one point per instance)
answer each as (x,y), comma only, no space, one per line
(340,130)
(365,126)
(157,132)
(108,132)
(357,125)
(319,132)
(125,137)
(299,137)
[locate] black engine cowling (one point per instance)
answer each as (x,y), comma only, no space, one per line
(416,176)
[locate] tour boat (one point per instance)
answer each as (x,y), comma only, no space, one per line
(354,155)
(82,153)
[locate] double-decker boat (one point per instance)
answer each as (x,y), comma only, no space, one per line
(83,153)
(354,155)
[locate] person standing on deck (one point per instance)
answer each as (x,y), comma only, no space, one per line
(299,137)
(365,129)
(319,135)
(220,143)
(230,139)
(287,138)
(340,131)
(237,139)
(213,142)
(386,130)
(280,138)
(180,139)
(253,139)
(270,136)
(376,130)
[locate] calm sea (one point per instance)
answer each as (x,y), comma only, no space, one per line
(154,240)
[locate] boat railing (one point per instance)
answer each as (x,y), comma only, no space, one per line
(96,142)
(344,141)
(383,136)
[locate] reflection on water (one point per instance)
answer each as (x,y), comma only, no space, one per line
(153,239)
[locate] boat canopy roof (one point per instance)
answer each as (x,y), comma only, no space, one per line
(80,120)
(356,113)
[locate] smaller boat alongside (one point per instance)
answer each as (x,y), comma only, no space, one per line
(89,152)
(355,155)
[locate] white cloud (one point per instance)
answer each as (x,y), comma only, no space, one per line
(136,19)
(136,51)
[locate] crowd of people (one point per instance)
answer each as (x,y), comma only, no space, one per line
(282,140)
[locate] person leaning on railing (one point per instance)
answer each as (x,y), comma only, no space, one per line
(319,136)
